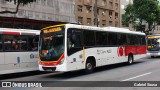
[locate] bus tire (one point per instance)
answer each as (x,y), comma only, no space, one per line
(152,57)
(130,59)
(89,66)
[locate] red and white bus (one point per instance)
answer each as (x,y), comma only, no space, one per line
(18,50)
(72,47)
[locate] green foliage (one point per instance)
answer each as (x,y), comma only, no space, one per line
(144,10)
(129,16)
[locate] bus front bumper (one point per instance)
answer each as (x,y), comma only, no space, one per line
(153,53)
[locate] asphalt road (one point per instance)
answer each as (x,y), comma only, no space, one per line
(143,70)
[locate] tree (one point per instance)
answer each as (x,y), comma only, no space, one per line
(147,10)
(129,16)
(144,11)
(17,3)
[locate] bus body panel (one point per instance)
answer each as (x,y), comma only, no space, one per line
(103,56)
(20,57)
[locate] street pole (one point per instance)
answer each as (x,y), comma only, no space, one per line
(95,13)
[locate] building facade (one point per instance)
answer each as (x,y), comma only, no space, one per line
(108,12)
(49,10)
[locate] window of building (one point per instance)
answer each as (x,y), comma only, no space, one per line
(98,10)
(79,8)
(116,24)
(20,12)
(104,2)
(103,23)
(110,14)
(88,8)
(37,15)
(116,15)
(110,23)
(116,6)
(89,20)
(103,12)
(110,5)
(30,14)
(80,20)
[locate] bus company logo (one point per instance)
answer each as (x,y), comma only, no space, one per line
(6,84)
(120,51)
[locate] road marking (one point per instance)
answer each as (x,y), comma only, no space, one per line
(137,76)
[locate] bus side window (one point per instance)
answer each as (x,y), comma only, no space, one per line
(112,39)
(101,38)
(89,38)
(130,39)
(33,43)
(74,41)
(143,40)
(122,39)
(12,42)
(24,43)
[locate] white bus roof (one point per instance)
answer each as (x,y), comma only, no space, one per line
(110,29)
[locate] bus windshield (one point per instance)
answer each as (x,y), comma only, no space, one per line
(51,46)
(153,44)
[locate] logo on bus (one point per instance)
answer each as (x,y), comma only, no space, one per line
(120,51)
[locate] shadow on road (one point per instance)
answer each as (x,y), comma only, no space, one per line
(78,73)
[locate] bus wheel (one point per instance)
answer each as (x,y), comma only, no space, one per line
(130,59)
(89,66)
(152,56)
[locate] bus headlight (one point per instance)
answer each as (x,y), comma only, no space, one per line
(61,62)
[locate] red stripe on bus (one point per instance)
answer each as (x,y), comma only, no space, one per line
(135,50)
(12,33)
(55,63)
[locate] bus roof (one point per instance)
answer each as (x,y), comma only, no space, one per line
(19,31)
(110,29)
